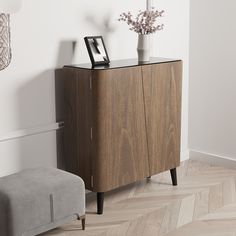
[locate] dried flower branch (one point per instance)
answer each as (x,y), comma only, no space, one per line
(144,22)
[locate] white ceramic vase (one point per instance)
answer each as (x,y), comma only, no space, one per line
(144,47)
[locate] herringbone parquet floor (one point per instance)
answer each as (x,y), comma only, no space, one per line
(203,203)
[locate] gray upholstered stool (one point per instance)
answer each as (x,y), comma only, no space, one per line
(37,200)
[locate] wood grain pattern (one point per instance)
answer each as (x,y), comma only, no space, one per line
(69,117)
(60,114)
(84,124)
(162,95)
(121,124)
(119,135)
(78,123)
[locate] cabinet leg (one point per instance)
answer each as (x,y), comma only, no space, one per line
(100,202)
(173,173)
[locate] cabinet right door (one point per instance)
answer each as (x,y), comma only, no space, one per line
(162,86)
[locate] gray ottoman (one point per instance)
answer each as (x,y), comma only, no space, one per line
(37,200)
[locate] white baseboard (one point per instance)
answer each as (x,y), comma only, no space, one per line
(184,156)
(213,159)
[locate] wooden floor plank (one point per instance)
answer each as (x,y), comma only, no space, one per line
(154,207)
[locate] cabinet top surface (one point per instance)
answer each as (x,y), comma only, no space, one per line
(123,63)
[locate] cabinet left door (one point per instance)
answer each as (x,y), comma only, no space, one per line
(120,154)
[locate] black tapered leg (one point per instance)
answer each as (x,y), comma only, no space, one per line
(100,202)
(173,173)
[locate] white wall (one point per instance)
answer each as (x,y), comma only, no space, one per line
(42,36)
(212,120)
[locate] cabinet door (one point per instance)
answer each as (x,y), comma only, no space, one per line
(119,143)
(162,96)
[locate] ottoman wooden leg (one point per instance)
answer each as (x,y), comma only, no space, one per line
(82,218)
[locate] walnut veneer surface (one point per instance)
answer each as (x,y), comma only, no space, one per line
(122,123)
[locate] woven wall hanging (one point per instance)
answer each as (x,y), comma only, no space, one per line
(5,46)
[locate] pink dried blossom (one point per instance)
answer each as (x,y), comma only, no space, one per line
(144,22)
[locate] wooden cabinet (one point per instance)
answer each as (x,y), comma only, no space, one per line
(122,122)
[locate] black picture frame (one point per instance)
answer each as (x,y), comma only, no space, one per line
(97,50)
